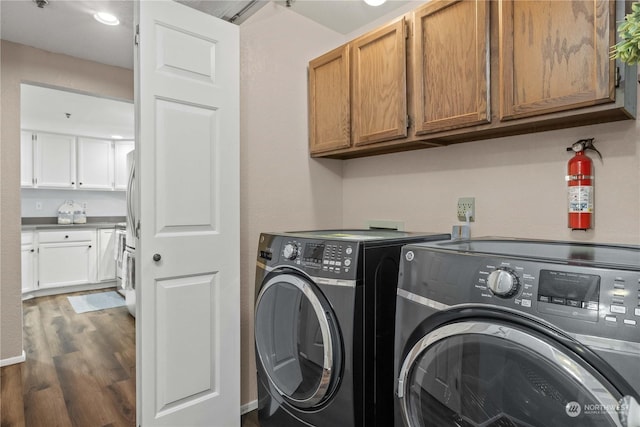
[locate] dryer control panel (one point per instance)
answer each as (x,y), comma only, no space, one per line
(323,258)
(326,256)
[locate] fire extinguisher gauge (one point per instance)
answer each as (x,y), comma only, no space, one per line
(583,145)
(577,146)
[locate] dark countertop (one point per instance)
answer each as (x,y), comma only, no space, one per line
(51,223)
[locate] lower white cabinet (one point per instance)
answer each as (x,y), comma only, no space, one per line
(106,254)
(28,256)
(66,257)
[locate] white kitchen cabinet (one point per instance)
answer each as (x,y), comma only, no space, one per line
(66,161)
(26,159)
(28,262)
(55,161)
(95,164)
(121,172)
(47,160)
(66,257)
(106,254)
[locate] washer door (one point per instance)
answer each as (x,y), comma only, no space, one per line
(297,340)
(479,373)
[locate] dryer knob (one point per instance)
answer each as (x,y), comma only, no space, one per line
(290,251)
(503,283)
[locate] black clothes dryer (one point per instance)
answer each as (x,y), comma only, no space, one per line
(324,325)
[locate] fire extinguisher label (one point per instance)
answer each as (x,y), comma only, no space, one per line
(581,199)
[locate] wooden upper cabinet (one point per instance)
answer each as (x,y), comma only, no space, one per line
(379,78)
(554,56)
(450,54)
(470,70)
(329,101)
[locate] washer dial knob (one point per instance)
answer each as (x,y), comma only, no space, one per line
(290,251)
(503,283)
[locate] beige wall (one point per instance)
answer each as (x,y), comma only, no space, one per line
(23,64)
(518,183)
(281,187)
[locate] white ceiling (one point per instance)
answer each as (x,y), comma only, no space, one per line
(342,16)
(68,27)
(43,108)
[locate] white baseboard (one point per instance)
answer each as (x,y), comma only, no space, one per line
(14,360)
(248,407)
(41,292)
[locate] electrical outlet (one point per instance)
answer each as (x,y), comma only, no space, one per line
(38,206)
(466,204)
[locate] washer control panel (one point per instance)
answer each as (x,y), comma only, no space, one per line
(602,297)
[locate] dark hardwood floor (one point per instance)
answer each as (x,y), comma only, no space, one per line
(79,369)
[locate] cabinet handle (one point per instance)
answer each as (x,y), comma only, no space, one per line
(80,183)
(157,257)
(73,183)
(32,250)
(66,237)
(89,246)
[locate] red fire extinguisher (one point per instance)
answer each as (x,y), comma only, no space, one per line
(580,190)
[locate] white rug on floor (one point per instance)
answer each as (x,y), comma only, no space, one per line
(94,302)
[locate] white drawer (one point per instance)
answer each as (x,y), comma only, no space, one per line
(26,238)
(66,236)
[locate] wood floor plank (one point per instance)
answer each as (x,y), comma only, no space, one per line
(46,408)
(122,394)
(11,402)
(85,398)
(38,372)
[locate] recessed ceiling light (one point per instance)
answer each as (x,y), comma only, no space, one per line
(106,18)
(374,2)
(116,136)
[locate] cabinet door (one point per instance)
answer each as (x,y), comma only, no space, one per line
(64,264)
(554,55)
(106,255)
(28,265)
(95,164)
(121,172)
(66,257)
(451,65)
(329,101)
(55,161)
(379,102)
(26,159)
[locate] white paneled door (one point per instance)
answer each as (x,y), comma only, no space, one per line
(188,273)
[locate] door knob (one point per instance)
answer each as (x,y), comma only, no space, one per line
(156,257)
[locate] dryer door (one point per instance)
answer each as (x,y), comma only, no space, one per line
(479,373)
(297,340)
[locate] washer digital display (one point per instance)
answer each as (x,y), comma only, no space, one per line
(575,290)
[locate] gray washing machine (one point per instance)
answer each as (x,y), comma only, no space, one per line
(324,324)
(504,332)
